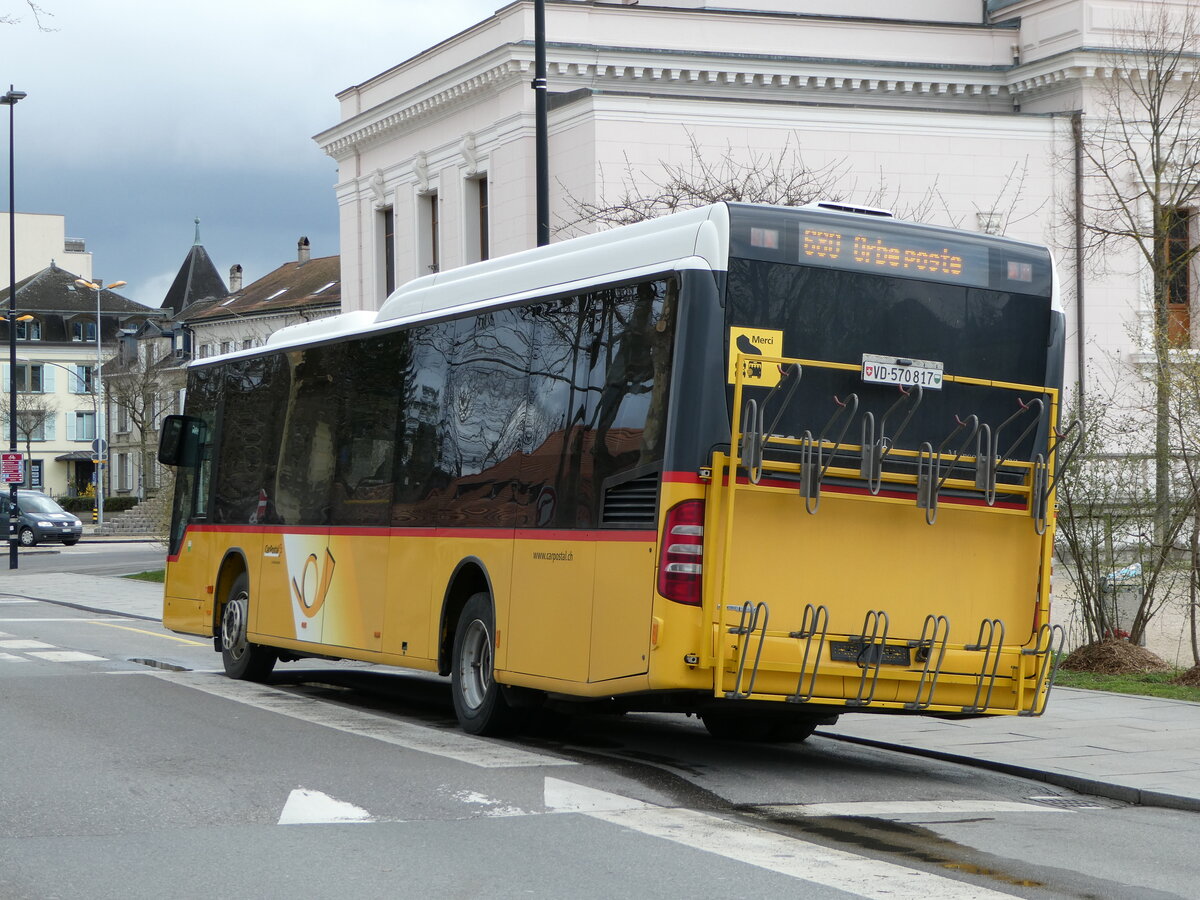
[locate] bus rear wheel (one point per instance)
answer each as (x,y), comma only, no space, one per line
(479,702)
(242,660)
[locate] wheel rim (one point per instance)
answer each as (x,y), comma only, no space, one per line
(475,665)
(26,537)
(233,626)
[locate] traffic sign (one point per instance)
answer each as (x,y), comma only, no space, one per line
(12,465)
(100,446)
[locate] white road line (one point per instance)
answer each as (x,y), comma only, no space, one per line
(740,841)
(68,619)
(448,744)
(12,657)
(15,602)
(4,634)
(66,656)
(25,645)
(305,807)
(882,809)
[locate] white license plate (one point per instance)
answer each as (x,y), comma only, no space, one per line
(903,372)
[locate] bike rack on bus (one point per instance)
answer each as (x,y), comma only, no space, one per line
(870,658)
(934,633)
(815,623)
(812,475)
(1044,481)
(754,430)
(988,461)
(930,479)
(874,451)
(991,653)
(748,625)
(1053,637)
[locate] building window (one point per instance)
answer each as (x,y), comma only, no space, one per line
(387,250)
(29,379)
(82,383)
(226,346)
(85,426)
(428,243)
(1179,277)
(123,472)
(475,218)
(122,419)
(36,474)
(29,331)
(83,330)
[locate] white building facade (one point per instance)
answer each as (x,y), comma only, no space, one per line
(42,240)
(952,111)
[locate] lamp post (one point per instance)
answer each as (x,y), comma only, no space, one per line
(10,100)
(101,443)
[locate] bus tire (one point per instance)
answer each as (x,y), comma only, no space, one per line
(728,726)
(479,702)
(242,660)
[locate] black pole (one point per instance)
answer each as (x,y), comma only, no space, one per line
(10,100)
(540,128)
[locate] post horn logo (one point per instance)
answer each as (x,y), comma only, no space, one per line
(314,583)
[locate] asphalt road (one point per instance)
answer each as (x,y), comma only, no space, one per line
(129,767)
(89,557)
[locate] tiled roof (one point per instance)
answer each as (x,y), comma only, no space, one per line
(53,297)
(294,285)
(196,280)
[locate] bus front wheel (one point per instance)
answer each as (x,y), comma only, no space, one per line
(243,660)
(479,702)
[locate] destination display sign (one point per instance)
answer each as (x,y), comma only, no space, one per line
(888,247)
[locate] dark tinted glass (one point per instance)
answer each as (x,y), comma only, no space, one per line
(192,482)
(308,449)
(836,316)
(256,391)
(486,394)
(368,403)
(423,461)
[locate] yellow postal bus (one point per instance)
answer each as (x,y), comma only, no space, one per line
(763,465)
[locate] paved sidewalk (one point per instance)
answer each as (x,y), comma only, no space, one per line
(1135,749)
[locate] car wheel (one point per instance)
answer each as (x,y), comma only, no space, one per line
(70,542)
(26,537)
(242,660)
(479,702)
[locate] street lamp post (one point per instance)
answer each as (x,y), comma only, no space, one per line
(10,100)
(101,442)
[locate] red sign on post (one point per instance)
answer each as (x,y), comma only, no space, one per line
(12,467)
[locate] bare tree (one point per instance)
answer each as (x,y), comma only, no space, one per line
(40,14)
(138,389)
(33,412)
(1141,171)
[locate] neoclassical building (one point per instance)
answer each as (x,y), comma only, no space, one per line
(954,111)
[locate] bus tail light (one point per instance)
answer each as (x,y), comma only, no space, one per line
(681,553)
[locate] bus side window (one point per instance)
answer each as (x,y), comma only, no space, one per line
(307,455)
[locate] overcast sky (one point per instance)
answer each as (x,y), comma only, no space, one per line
(143,116)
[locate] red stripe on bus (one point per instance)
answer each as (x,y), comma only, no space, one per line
(522,534)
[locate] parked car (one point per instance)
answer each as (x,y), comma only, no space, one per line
(41,519)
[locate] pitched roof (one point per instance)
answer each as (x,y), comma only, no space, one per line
(57,301)
(196,280)
(53,290)
(294,285)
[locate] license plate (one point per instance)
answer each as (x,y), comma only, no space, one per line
(900,371)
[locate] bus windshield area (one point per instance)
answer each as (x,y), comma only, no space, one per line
(837,316)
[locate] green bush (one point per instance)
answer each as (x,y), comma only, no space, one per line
(83,505)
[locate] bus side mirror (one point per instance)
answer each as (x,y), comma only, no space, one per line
(179,441)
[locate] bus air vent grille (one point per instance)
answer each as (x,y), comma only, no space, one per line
(631,504)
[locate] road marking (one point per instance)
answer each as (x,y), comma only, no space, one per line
(25,645)
(738,841)
(66,656)
(448,744)
(12,657)
(4,634)
(305,807)
(158,634)
(885,808)
(16,602)
(59,619)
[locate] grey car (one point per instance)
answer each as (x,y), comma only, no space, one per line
(41,519)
